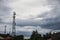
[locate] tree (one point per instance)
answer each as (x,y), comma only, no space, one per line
(35,36)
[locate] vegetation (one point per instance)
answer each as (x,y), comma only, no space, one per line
(35,36)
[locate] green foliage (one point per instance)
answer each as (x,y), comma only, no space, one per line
(35,36)
(20,37)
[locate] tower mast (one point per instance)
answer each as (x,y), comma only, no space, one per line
(5,29)
(13,25)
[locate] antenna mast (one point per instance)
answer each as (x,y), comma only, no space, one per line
(13,25)
(5,29)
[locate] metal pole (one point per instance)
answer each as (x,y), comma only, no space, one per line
(5,29)
(13,25)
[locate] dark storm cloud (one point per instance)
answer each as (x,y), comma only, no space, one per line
(52,19)
(51,23)
(28,22)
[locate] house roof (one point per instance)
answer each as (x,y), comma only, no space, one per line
(1,37)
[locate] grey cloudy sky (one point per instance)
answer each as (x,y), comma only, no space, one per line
(43,14)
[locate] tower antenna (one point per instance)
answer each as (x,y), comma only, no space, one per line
(13,25)
(5,29)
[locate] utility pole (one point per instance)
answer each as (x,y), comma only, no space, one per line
(13,25)
(5,29)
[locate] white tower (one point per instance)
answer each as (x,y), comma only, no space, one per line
(13,25)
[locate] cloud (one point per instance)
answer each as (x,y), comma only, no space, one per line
(51,19)
(27,30)
(27,9)
(31,13)
(5,10)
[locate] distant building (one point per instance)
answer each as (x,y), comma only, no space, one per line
(49,39)
(8,37)
(56,36)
